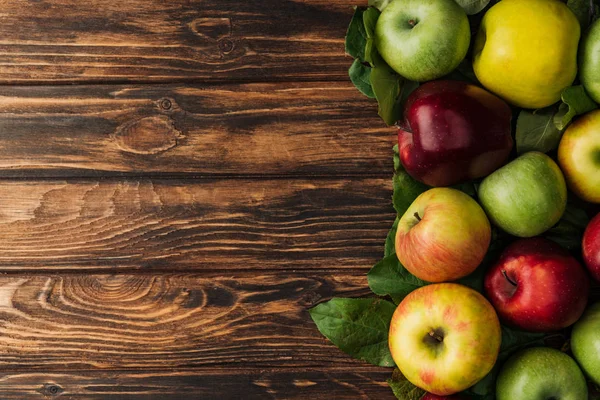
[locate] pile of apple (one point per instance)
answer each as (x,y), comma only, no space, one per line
(445,337)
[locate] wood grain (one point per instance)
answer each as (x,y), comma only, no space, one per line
(233,320)
(342,383)
(51,41)
(201,225)
(299,129)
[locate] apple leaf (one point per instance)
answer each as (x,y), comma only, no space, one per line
(472,7)
(356,36)
(360,75)
(403,389)
(568,232)
(575,102)
(536,131)
(397,164)
(390,239)
(583,10)
(358,327)
(379,4)
(389,278)
(370,17)
(406,190)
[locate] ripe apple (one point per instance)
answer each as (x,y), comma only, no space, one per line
(585,342)
(444,337)
(541,373)
(589,61)
(579,156)
(536,285)
(591,247)
(431,396)
(453,132)
(526,51)
(423,39)
(525,197)
(442,236)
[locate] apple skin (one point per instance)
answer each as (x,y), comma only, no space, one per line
(589,61)
(423,39)
(551,289)
(431,396)
(591,247)
(541,373)
(579,156)
(526,197)
(448,242)
(585,342)
(459,132)
(444,337)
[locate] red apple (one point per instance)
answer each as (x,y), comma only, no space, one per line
(591,247)
(537,286)
(453,132)
(431,396)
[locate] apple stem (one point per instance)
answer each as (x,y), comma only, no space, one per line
(412,22)
(436,336)
(508,279)
(417,217)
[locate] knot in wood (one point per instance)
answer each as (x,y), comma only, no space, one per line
(150,135)
(51,389)
(226,46)
(165,104)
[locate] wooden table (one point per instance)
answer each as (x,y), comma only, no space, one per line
(180,182)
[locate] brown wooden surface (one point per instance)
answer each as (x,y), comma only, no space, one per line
(297,129)
(66,41)
(180,181)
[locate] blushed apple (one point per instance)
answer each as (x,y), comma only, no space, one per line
(591,247)
(442,236)
(444,337)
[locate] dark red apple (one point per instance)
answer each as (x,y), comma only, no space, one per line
(591,247)
(537,286)
(431,396)
(453,132)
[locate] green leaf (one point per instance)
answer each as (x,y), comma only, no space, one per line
(536,131)
(403,389)
(568,232)
(356,36)
(397,164)
(472,7)
(390,246)
(379,4)
(389,278)
(583,10)
(358,327)
(360,75)
(370,18)
(406,190)
(575,102)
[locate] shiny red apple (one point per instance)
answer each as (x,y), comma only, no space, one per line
(453,132)
(591,247)
(537,286)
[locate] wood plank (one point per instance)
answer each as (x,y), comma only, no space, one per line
(157,41)
(315,129)
(225,225)
(165,321)
(340,384)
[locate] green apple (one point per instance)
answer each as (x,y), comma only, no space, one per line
(589,61)
(579,154)
(443,235)
(541,373)
(423,39)
(444,337)
(585,342)
(525,197)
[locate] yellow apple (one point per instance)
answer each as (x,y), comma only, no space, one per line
(579,156)
(526,51)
